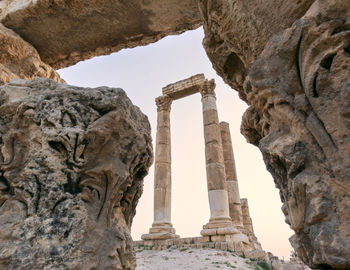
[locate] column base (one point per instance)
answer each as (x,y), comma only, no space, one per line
(219,226)
(224,227)
(160,231)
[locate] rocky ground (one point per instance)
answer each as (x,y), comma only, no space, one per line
(194,259)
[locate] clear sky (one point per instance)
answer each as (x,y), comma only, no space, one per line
(142,72)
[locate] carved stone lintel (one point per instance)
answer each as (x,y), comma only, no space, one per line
(164,103)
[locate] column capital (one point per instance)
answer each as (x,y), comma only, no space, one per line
(208,88)
(163,103)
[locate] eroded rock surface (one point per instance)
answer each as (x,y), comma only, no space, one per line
(19,59)
(72,166)
(236,32)
(66,32)
(298,90)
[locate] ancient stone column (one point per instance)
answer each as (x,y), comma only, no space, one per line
(248,226)
(162,227)
(231,176)
(247,221)
(215,168)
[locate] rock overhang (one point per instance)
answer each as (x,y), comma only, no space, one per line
(66,32)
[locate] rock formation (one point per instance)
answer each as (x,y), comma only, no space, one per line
(298,89)
(19,59)
(66,32)
(237,31)
(289,60)
(72,167)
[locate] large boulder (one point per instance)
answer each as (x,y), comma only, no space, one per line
(72,166)
(298,90)
(67,31)
(19,59)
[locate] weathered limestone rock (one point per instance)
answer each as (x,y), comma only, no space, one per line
(66,32)
(19,59)
(236,32)
(298,92)
(72,167)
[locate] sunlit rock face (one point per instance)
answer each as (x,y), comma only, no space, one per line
(66,32)
(19,59)
(72,166)
(298,90)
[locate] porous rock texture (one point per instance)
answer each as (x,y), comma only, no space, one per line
(66,32)
(19,59)
(72,166)
(236,32)
(298,90)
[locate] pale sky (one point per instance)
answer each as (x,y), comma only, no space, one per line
(142,72)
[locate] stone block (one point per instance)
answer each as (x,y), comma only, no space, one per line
(218,238)
(229,165)
(229,230)
(233,193)
(208,232)
(185,87)
(213,153)
(212,134)
(216,176)
(217,245)
(199,245)
(203,239)
(163,119)
(210,117)
(163,135)
(257,255)
(209,105)
(239,237)
(148,243)
(163,153)
(224,246)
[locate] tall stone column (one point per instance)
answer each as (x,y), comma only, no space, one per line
(247,221)
(215,168)
(248,225)
(231,176)
(162,227)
